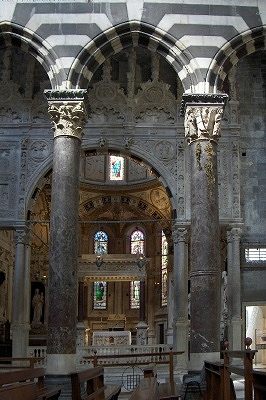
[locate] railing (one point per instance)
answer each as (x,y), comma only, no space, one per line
(38,352)
(21,362)
(134,359)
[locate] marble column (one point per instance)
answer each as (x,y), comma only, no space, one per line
(203,115)
(142,327)
(170,308)
(67,111)
(20,306)
(234,290)
(180,298)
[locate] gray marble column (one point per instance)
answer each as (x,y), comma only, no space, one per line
(235,322)
(68,115)
(20,306)
(203,115)
(180,298)
(170,308)
(142,327)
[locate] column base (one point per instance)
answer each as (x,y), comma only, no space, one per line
(196,361)
(61,364)
(20,339)
(142,333)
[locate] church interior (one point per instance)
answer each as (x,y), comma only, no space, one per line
(131,225)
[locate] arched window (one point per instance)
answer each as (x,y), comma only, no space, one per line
(164,262)
(100,242)
(116,168)
(137,241)
(100,288)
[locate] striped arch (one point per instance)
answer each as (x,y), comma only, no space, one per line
(133,34)
(13,35)
(240,46)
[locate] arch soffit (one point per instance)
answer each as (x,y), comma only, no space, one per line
(39,179)
(240,46)
(14,35)
(133,34)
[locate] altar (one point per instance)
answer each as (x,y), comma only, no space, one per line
(111,338)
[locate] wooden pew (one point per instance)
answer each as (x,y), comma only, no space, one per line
(93,379)
(259,384)
(146,390)
(15,380)
(19,391)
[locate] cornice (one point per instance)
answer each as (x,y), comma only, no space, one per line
(65,95)
(202,99)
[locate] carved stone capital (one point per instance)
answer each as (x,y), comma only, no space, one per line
(234,235)
(179,234)
(67,111)
(21,236)
(203,115)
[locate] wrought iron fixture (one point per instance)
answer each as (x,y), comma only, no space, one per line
(99,261)
(141,261)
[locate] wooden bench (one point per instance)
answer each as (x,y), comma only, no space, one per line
(29,381)
(168,391)
(259,385)
(95,388)
(148,389)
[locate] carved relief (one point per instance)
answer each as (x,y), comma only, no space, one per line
(159,198)
(164,150)
(39,150)
(68,118)
(202,122)
(106,99)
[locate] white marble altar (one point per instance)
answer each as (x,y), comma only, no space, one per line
(110,338)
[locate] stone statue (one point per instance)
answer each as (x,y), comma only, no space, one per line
(37,304)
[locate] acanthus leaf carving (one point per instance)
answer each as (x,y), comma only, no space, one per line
(68,118)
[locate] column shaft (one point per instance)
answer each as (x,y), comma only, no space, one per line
(234,289)
(20,306)
(67,111)
(180,276)
(203,114)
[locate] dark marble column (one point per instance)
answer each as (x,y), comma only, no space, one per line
(81,302)
(142,304)
(202,129)
(67,112)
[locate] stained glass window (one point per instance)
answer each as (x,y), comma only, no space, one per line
(99,295)
(137,242)
(116,168)
(136,247)
(164,262)
(100,242)
(100,288)
(134,294)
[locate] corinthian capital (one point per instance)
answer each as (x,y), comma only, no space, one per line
(234,234)
(179,233)
(67,111)
(203,115)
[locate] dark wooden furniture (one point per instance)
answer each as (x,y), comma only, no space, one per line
(259,384)
(29,381)
(168,391)
(148,389)
(95,389)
